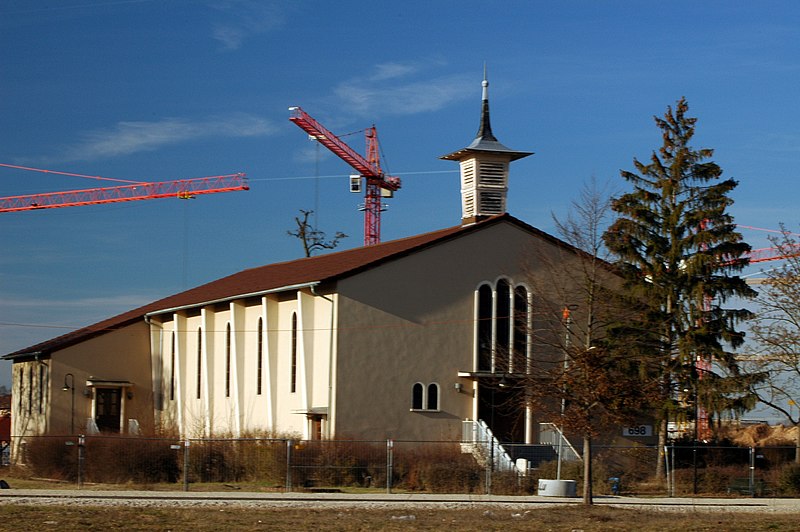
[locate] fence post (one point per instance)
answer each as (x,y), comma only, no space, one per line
(81,443)
(186,465)
(489,467)
(752,477)
(389,464)
(288,465)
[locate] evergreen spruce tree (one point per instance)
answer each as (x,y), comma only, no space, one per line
(679,248)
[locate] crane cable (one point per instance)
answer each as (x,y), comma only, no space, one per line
(99,178)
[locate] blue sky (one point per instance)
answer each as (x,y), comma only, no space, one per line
(161,90)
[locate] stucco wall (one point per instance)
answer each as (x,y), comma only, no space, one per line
(230,402)
(412,320)
(121,355)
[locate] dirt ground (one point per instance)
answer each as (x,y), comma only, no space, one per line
(571,518)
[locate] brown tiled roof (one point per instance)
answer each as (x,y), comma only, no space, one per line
(322,268)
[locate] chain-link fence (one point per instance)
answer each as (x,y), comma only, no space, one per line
(401,466)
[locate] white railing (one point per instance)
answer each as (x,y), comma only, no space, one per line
(551,434)
(478,439)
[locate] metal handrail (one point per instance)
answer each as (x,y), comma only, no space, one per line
(480,435)
(552,429)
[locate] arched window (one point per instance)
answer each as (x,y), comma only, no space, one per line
(260,356)
(199,359)
(521,329)
(416,396)
(41,389)
(228,360)
(30,389)
(433,397)
(484,336)
(503,328)
(503,324)
(172,369)
(21,387)
(294,353)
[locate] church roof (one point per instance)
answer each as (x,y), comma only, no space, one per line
(273,277)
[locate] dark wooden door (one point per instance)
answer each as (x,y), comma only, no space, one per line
(108,409)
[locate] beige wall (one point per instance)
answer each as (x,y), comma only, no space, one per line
(412,320)
(121,355)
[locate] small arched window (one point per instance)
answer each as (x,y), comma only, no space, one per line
(416,396)
(433,397)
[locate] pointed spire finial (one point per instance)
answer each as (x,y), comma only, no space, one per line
(485,130)
(485,84)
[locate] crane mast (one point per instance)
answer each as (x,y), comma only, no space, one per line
(182,188)
(378,184)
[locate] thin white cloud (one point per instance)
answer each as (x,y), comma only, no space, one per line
(386,71)
(131,137)
(240,19)
(383,94)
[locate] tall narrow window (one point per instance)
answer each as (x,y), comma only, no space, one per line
(228,361)
(484,328)
(172,369)
(199,359)
(416,396)
(502,331)
(294,352)
(521,329)
(41,389)
(503,323)
(260,357)
(20,389)
(30,389)
(433,397)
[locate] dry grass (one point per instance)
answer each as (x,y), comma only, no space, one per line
(19,517)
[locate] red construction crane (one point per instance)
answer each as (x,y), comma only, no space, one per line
(135,190)
(378,184)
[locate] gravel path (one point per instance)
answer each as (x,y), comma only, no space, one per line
(380,501)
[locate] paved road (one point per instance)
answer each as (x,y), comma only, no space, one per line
(394,500)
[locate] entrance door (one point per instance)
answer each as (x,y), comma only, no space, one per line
(108,409)
(504,413)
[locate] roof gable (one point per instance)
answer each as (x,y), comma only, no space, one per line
(273,277)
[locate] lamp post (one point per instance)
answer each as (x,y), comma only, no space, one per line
(566,316)
(70,386)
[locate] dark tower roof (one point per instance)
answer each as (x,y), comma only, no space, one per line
(485,141)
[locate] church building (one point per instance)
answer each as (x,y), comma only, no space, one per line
(408,339)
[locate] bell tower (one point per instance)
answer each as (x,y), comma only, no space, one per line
(484,169)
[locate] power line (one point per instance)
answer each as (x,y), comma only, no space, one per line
(306,177)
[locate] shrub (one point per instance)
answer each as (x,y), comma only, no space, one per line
(128,459)
(789,480)
(436,467)
(52,457)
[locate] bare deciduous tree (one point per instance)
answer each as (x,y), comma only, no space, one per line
(312,238)
(600,382)
(776,331)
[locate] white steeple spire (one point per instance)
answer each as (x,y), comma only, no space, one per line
(484,168)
